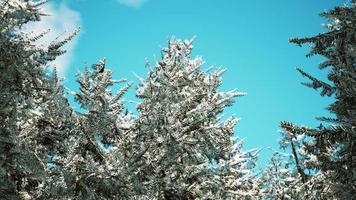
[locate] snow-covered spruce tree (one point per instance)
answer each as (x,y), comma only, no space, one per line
(54,136)
(23,85)
(280,180)
(179,135)
(288,175)
(333,143)
(232,178)
(96,166)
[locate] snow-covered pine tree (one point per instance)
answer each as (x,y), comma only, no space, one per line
(52,137)
(179,134)
(289,175)
(23,85)
(280,179)
(232,178)
(105,119)
(96,162)
(333,143)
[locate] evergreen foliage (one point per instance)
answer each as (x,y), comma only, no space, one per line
(180,146)
(178,134)
(330,149)
(24,89)
(95,161)
(280,180)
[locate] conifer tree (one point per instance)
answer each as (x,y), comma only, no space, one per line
(104,119)
(96,163)
(232,178)
(280,180)
(333,143)
(52,133)
(179,133)
(23,85)
(179,147)
(288,175)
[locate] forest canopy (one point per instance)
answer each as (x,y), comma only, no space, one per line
(179,145)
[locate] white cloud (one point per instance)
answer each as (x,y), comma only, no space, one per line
(62,22)
(132,3)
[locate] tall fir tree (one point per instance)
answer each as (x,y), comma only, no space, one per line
(50,137)
(288,175)
(280,180)
(179,147)
(96,163)
(23,85)
(333,143)
(233,177)
(179,133)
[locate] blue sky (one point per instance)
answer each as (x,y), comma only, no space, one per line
(249,38)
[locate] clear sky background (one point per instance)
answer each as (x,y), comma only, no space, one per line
(247,37)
